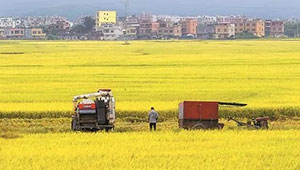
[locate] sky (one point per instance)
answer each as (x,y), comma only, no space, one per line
(75,8)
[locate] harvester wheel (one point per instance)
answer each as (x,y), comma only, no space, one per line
(74,125)
(199,126)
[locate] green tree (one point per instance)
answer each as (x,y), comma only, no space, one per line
(87,26)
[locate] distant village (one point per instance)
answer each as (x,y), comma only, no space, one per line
(106,25)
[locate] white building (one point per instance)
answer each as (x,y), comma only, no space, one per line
(111,31)
(7,23)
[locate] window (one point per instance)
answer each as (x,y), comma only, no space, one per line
(219,30)
(225,30)
(253,30)
(34,32)
(248,25)
(253,25)
(241,25)
(241,29)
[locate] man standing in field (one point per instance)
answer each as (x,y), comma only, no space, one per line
(152,117)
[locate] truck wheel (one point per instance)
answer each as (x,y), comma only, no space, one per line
(108,129)
(264,125)
(199,126)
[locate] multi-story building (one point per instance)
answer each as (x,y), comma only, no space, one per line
(130,28)
(105,17)
(168,30)
(154,27)
(59,26)
(34,33)
(225,30)
(1,33)
(145,30)
(177,30)
(274,28)
(205,31)
(7,23)
(256,26)
(189,27)
(111,31)
(14,33)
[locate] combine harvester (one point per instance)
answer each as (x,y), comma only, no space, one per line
(95,111)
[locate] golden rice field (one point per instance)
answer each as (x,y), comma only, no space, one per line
(39,78)
(43,76)
(162,150)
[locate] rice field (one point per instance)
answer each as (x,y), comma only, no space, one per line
(43,76)
(161,150)
(39,78)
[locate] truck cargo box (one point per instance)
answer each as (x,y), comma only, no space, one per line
(198,110)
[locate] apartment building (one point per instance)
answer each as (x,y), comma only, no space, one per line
(189,27)
(59,26)
(105,17)
(274,28)
(205,31)
(168,30)
(256,26)
(34,33)
(14,33)
(111,31)
(225,30)
(145,30)
(130,28)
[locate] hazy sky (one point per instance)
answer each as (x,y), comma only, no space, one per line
(264,8)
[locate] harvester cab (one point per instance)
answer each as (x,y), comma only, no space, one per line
(95,111)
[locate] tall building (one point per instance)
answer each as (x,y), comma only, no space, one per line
(189,27)
(256,26)
(106,17)
(274,28)
(225,30)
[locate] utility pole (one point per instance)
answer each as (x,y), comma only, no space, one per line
(297,30)
(125,22)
